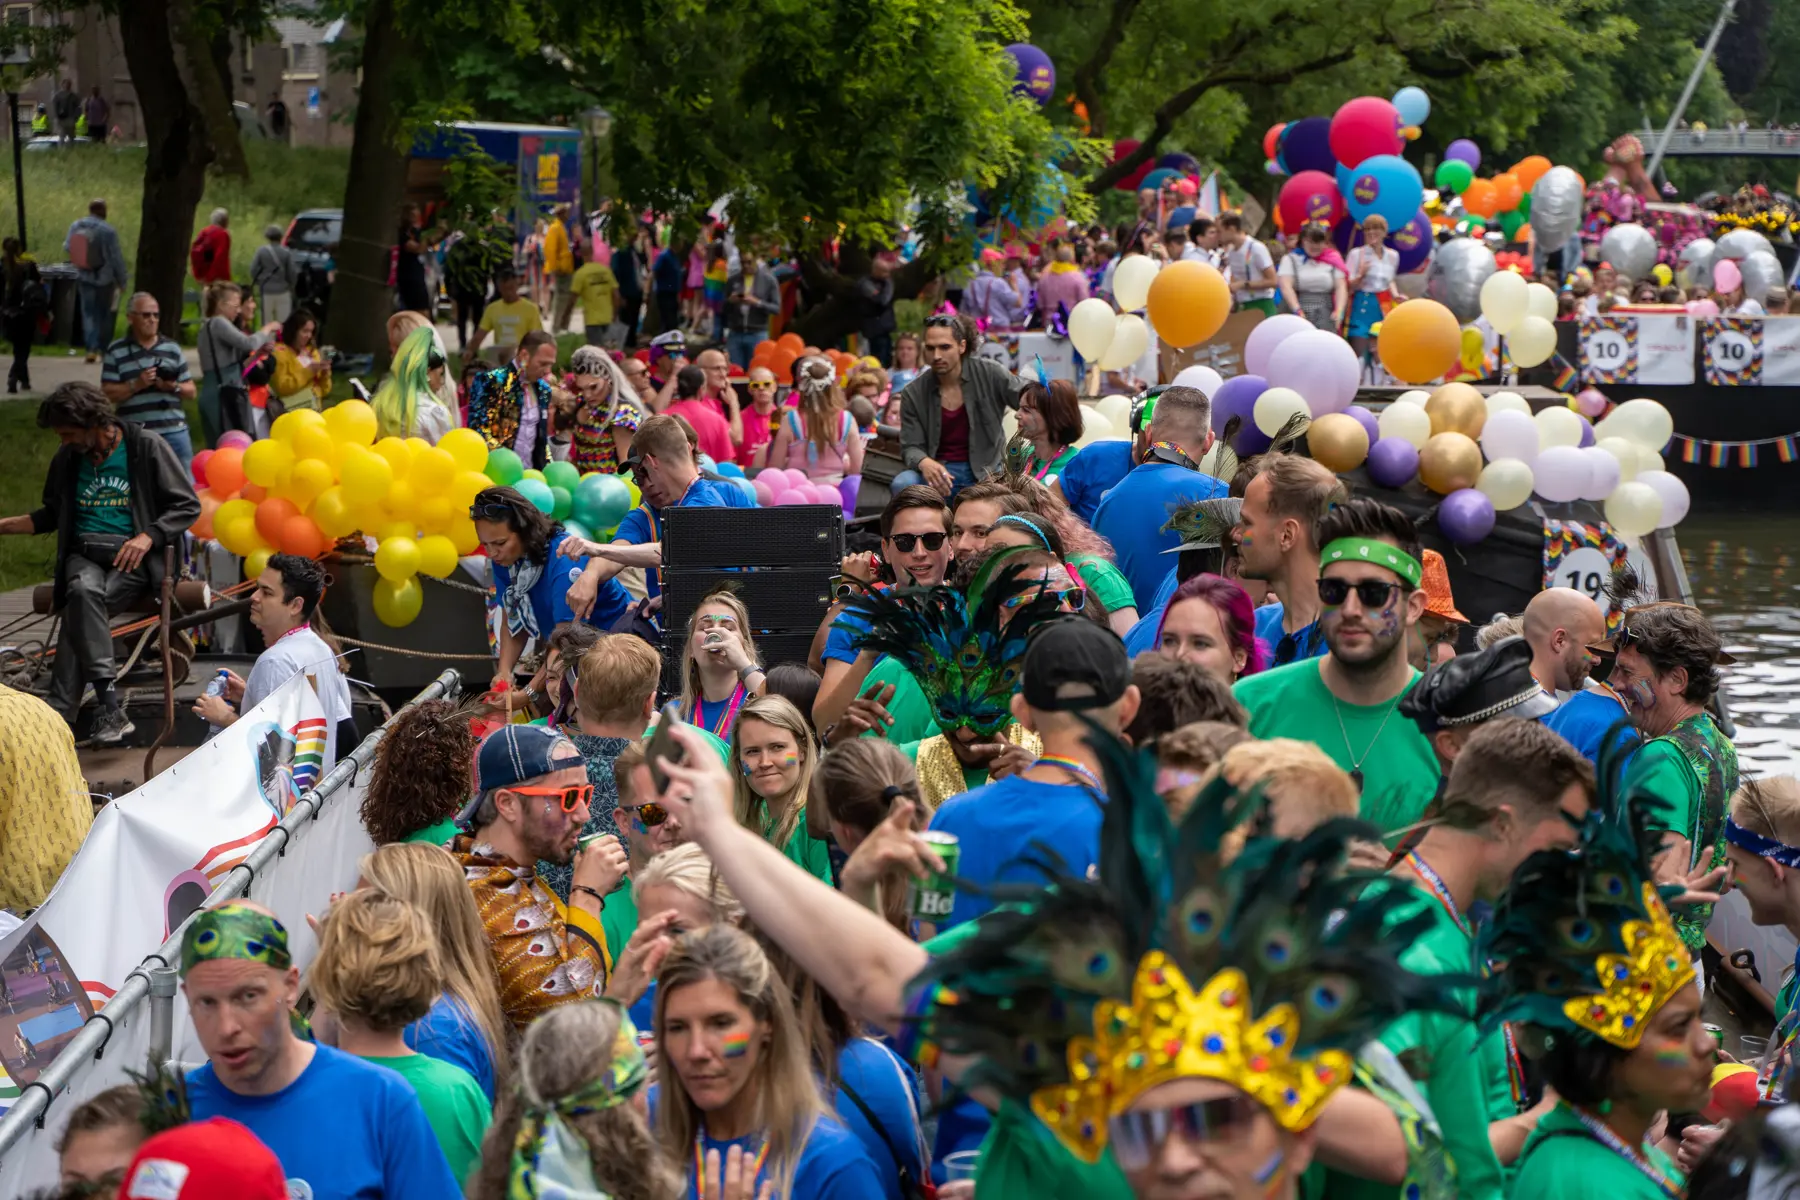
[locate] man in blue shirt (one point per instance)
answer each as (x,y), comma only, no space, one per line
(1560,624)
(1277,542)
(1099,466)
(241,986)
(1133,514)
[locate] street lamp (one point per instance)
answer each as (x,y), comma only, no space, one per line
(596,122)
(12,68)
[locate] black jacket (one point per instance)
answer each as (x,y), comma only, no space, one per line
(163,503)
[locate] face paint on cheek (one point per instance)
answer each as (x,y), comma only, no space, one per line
(1641,694)
(1270,1176)
(788,760)
(637,825)
(1674,1059)
(735,1045)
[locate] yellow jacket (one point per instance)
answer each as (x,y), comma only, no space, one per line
(559,259)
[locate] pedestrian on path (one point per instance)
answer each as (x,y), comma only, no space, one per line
(93,248)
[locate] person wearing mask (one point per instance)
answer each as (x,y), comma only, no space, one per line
(508,319)
(241,985)
(210,255)
(1372,267)
(991,297)
(1561,624)
(1368,589)
(818,437)
(1050,419)
(377,970)
(93,250)
(875,297)
(761,422)
(146,377)
(1277,542)
(773,757)
(1313,280)
(950,429)
(224,349)
(115,495)
(285,610)
(510,405)
(1180,433)
(1209,622)
(1249,270)
(752,298)
(273,273)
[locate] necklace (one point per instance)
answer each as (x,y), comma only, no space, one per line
(1630,1154)
(1079,770)
(1357,760)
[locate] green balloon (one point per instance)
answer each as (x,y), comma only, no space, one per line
(504,467)
(1524,208)
(575,528)
(562,475)
(538,492)
(560,502)
(1454,175)
(534,473)
(601,501)
(1511,223)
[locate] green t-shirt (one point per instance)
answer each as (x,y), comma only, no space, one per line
(913,720)
(1106,581)
(103,495)
(1563,1161)
(434,835)
(619,918)
(1400,771)
(1693,770)
(809,852)
(454,1104)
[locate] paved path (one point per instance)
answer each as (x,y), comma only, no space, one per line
(54,366)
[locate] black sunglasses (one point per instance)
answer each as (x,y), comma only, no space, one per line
(1373,593)
(939,320)
(905,543)
(1135,1136)
(493,510)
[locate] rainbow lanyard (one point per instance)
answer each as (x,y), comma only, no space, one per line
(1613,1142)
(1079,770)
(721,728)
(1039,469)
(1775,1064)
(700,1179)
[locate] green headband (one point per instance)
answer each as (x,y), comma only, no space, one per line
(1382,554)
(237,931)
(549,1157)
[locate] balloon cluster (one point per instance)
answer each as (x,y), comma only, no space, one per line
(1348,167)
(780,354)
(786,485)
(1186,301)
(1506,198)
(1177,170)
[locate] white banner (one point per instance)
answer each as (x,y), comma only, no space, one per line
(1751,351)
(1625,347)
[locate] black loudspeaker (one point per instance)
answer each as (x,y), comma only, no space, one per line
(779,562)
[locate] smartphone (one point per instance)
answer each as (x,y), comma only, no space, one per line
(663,745)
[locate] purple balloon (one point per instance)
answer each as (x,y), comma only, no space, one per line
(1306,146)
(1463,150)
(1366,419)
(1034,75)
(1466,516)
(1319,365)
(847,493)
(1587,432)
(234,439)
(1393,462)
(1269,333)
(1236,397)
(1413,242)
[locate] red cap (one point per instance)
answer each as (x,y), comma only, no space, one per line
(214,1159)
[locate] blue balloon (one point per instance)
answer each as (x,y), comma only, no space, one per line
(1182,217)
(706,463)
(1413,241)
(1034,74)
(1306,146)
(1346,176)
(745,486)
(1413,105)
(1386,185)
(1157,178)
(731,469)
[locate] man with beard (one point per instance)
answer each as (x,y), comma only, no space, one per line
(531,796)
(1560,625)
(1345,702)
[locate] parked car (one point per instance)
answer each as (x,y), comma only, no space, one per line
(313,237)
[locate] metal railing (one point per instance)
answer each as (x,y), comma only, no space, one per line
(154,979)
(1727,142)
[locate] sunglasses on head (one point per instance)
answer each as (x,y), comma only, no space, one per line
(905,543)
(571,797)
(931,322)
(1373,593)
(1136,1136)
(493,510)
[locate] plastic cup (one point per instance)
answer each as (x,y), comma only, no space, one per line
(961,1165)
(1751,1048)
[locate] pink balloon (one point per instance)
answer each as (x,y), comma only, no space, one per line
(796,477)
(765,493)
(1319,365)
(1364,128)
(235,437)
(1268,334)
(796,496)
(1726,276)
(824,493)
(1590,402)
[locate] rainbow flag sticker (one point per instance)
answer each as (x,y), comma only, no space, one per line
(736,1045)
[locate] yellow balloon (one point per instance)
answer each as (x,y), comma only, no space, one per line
(466,486)
(1338,441)
(264,461)
(637,497)
(294,419)
(315,442)
(1474,349)
(398,603)
(402,500)
(240,536)
(367,477)
(437,514)
(309,480)
(1188,302)
(256,562)
(1457,408)
(416,444)
(231,511)
(398,454)
(463,535)
(432,470)
(332,513)
(437,556)
(393,530)
(468,448)
(1419,340)
(1448,462)
(352,421)
(397,558)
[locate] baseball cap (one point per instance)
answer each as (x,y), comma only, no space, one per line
(1074,650)
(513,754)
(215,1159)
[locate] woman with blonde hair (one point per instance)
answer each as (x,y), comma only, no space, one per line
(224,349)
(1372,267)
(819,437)
(722,670)
(773,756)
(465,1025)
(1762,844)
(678,892)
(576,1122)
(735,1074)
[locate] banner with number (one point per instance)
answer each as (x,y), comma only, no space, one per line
(1583,557)
(1638,348)
(1748,351)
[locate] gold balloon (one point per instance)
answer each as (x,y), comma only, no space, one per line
(1338,441)
(1449,461)
(1457,408)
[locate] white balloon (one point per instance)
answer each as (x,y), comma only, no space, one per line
(1558,427)
(1626,451)
(1695,262)
(1603,473)
(1094,427)
(1561,473)
(1091,325)
(1132,279)
(1504,300)
(1212,462)
(1649,460)
(1131,337)
(1532,341)
(1405,421)
(1762,274)
(1507,402)
(1634,509)
(1116,410)
(1540,301)
(1009,424)
(1645,422)
(1417,396)
(1277,406)
(1673,492)
(1509,434)
(1505,481)
(1198,376)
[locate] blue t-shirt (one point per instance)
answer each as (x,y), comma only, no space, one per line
(643,1013)
(1307,642)
(832,1166)
(999,824)
(1584,719)
(450,1034)
(1132,518)
(345,1130)
(890,1090)
(1142,636)
(641,526)
(840,645)
(550,594)
(1095,469)
(665,272)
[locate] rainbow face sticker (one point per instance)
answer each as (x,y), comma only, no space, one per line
(735,1044)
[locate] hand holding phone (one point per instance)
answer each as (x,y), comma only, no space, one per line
(663,744)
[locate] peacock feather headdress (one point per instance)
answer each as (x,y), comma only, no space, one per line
(964,648)
(1266,973)
(1582,940)
(1204,524)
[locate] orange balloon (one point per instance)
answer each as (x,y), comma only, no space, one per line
(271,515)
(790,341)
(209,504)
(1188,303)
(782,364)
(255,493)
(764,350)
(225,470)
(1481,198)
(809,351)
(299,535)
(1419,340)
(1509,191)
(1523,234)
(1530,170)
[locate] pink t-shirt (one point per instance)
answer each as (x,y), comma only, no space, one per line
(758,432)
(709,427)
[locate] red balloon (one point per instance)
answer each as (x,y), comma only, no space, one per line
(225,470)
(1272,137)
(198,467)
(271,515)
(1309,196)
(1363,128)
(300,536)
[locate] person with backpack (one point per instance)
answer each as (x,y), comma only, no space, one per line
(27,302)
(93,249)
(210,254)
(274,273)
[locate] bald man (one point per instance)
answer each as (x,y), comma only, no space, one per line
(1560,625)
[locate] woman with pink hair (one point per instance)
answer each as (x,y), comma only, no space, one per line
(1209,621)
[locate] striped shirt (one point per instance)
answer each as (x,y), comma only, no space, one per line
(154,409)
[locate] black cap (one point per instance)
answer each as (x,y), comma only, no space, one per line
(1472,688)
(1074,650)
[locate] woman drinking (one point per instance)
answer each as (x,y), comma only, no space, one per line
(722,671)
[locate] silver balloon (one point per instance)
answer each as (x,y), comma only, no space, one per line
(1696,260)
(1741,244)
(1556,202)
(1762,274)
(1458,270)
(1631,249)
